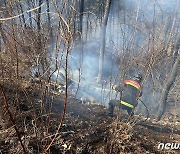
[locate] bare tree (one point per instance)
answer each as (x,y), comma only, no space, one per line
(30,14)
(49,18)
(81,10)
(21,9)
(169,83)
(103,40)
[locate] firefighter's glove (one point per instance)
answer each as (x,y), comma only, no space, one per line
(114,87)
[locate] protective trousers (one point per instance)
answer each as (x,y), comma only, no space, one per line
(116,103)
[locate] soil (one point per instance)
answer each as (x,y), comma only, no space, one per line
(86,129)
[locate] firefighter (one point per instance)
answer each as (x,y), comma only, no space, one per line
(130,91)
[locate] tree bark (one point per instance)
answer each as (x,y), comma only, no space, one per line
(103,40)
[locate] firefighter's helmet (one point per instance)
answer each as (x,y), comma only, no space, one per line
(138,77)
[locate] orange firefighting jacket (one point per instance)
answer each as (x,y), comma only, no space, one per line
(131,91)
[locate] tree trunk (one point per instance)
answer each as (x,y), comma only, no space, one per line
(81,10)
(29,14)
(49,17)
(4,38)
(49,23)
(39,23)
(39,50)
(103,40)
(23,17)
(167,87)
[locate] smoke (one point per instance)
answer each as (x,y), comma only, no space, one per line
(85,70)
(150,97)
(121,37)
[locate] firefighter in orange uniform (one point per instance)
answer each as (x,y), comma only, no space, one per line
(130,92)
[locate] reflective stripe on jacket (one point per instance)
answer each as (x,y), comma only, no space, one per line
(127,104)
(133,83)
(130,93)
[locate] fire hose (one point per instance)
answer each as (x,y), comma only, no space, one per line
(146,109)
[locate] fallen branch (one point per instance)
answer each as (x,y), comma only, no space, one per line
(161,129)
